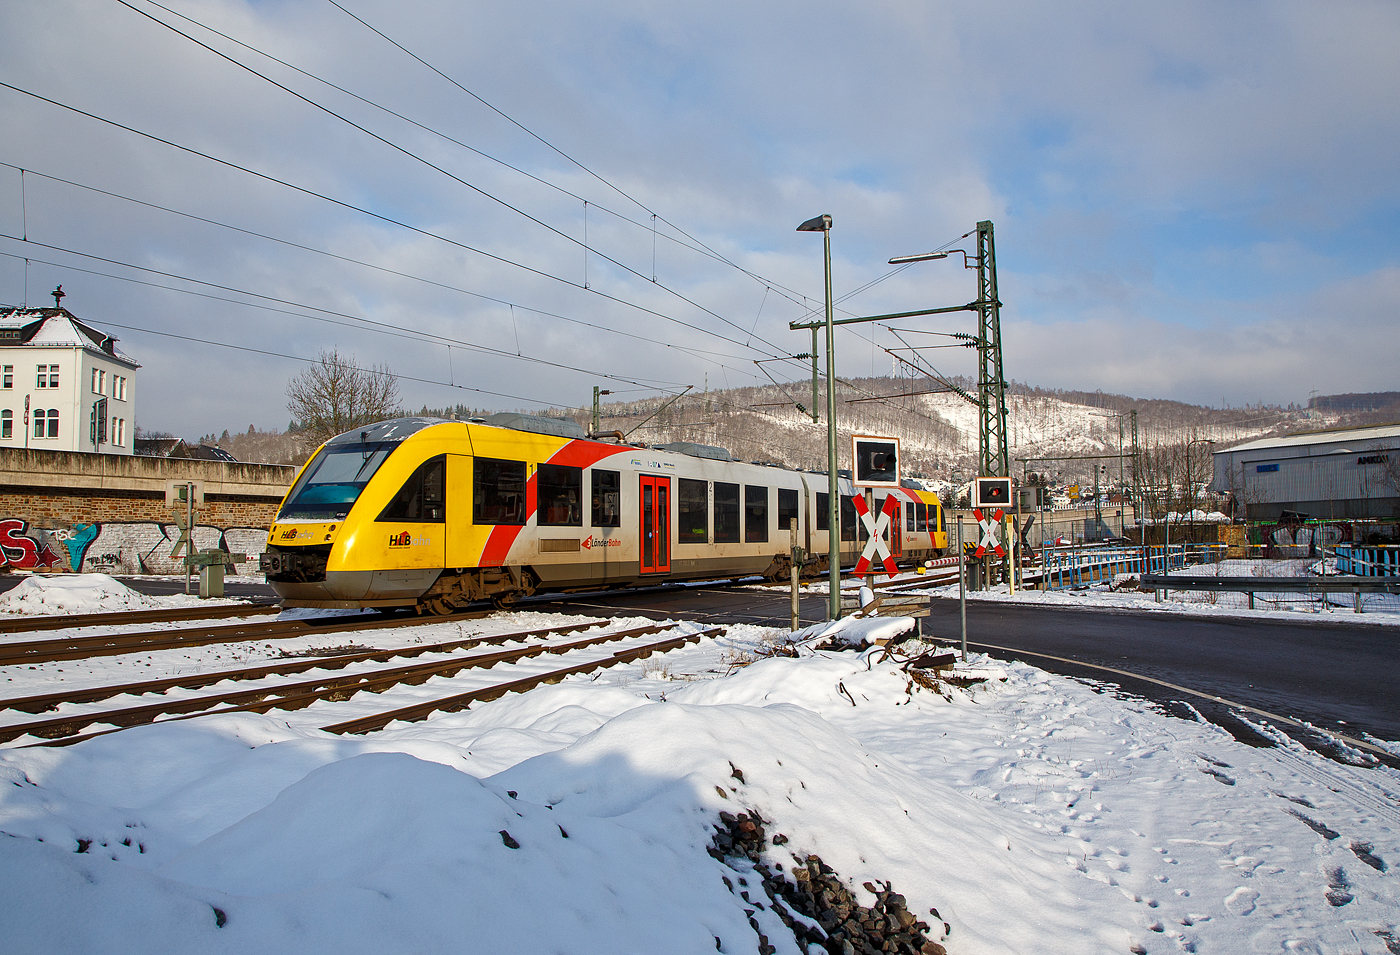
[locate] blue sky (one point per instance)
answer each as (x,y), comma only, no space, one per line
(1195,201)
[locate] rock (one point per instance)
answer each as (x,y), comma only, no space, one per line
(932,948)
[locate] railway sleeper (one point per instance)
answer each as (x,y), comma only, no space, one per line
(298,695)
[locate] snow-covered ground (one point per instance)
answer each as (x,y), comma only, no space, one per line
(1035,813)
(87,593)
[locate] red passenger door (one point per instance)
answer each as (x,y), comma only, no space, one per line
(656,525)
(897,528)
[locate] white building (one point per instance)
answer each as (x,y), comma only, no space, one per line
(64,385)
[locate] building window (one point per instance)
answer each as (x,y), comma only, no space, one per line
(9,377)
(46,377)
(44,420)
(7,424)
(121,431)
(96,383)
(119,387)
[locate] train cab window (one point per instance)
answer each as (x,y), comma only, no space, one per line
(607,498)
(823,511)
(726,513)
(787,508)
(560,490)
(421,500)
(755,513)
(848,518)
(693,517)
(923,510)
(498,491)
(329,486)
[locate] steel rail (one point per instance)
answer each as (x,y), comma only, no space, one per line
(76,648)
(23,624)
(60,730)
(334,661)
(460,701)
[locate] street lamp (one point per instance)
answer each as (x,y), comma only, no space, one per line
(822,224)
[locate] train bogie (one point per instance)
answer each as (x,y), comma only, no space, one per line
(437,514)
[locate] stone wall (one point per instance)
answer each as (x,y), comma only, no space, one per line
(68,511)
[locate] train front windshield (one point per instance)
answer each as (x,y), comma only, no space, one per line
(332,482)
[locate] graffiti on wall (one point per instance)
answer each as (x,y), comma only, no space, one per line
(138,547)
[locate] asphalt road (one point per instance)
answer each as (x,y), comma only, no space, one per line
(1334,673)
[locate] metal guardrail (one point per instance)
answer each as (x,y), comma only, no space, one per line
(1355,586)
(1243,585)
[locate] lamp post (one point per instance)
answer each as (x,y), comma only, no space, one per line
(822,224)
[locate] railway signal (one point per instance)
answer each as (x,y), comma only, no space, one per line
(876,528)
(990,533)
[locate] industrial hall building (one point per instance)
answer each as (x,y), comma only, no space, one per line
(1341,474)
(64,385)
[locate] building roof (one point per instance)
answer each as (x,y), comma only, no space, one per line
(1360,436)
(57,327)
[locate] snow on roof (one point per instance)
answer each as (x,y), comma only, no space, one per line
(1334,436)
(60,327)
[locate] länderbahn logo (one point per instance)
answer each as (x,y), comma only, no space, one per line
(593,542)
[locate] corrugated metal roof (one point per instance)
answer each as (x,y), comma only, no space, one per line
(1338,436)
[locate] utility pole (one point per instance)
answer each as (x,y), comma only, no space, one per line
(597,410)
(991,382)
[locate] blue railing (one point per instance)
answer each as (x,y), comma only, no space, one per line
(1382,560)
(1070,567)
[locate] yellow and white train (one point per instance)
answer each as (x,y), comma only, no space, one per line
(434,514)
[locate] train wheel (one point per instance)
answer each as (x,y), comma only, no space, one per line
(505,601)
(436,606)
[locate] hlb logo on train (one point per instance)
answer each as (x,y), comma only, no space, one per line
(290,534)
(405,539)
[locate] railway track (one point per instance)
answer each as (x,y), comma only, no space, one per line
(75,621)
(111,644)
(66,729)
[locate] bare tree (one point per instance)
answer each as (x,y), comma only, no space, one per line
(335,395)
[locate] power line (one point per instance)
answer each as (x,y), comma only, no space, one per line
(370,213)
(540,139)
(364,324)
(699,247)
(436,168)
(695,352)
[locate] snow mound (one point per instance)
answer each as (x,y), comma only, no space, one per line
(73,593)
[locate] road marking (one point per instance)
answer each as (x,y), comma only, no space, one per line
(1350,741)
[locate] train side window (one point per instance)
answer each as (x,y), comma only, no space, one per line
(755,513)
(560,495)
(693,517)
(498,491)
(726,513)
(923,518)
(848,518)
(421,499)
(823,511)
(607,498)
(909,510)
(787,508)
